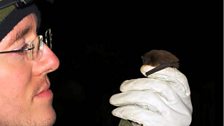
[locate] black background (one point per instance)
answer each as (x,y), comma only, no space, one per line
(100,44)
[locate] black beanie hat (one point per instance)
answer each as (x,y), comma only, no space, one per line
(11,15)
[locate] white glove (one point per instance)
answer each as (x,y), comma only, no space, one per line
(153,102)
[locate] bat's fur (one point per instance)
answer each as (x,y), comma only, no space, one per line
(158,57)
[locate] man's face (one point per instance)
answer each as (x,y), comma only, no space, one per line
(25,97)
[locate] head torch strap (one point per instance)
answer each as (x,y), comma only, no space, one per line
(17,3)
(6,3)
(158,68)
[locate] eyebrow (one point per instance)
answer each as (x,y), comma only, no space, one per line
(23,32)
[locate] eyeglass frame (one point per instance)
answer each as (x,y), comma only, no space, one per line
(46,39)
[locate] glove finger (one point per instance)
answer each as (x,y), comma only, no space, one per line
(150,84)
(150,100)
(181,89)
(150,118)
(146,99)
(140,115)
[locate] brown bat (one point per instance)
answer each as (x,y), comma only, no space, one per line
(159,59)
(156,60)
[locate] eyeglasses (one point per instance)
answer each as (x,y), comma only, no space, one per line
(34,49)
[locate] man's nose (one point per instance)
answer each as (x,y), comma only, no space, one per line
(48,62)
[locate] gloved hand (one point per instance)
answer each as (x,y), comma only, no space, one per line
(153,102)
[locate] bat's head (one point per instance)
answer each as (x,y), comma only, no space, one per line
(156,60)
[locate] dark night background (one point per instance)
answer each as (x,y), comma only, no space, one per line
(100,43)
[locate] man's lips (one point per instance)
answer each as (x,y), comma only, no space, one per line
(45,93)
